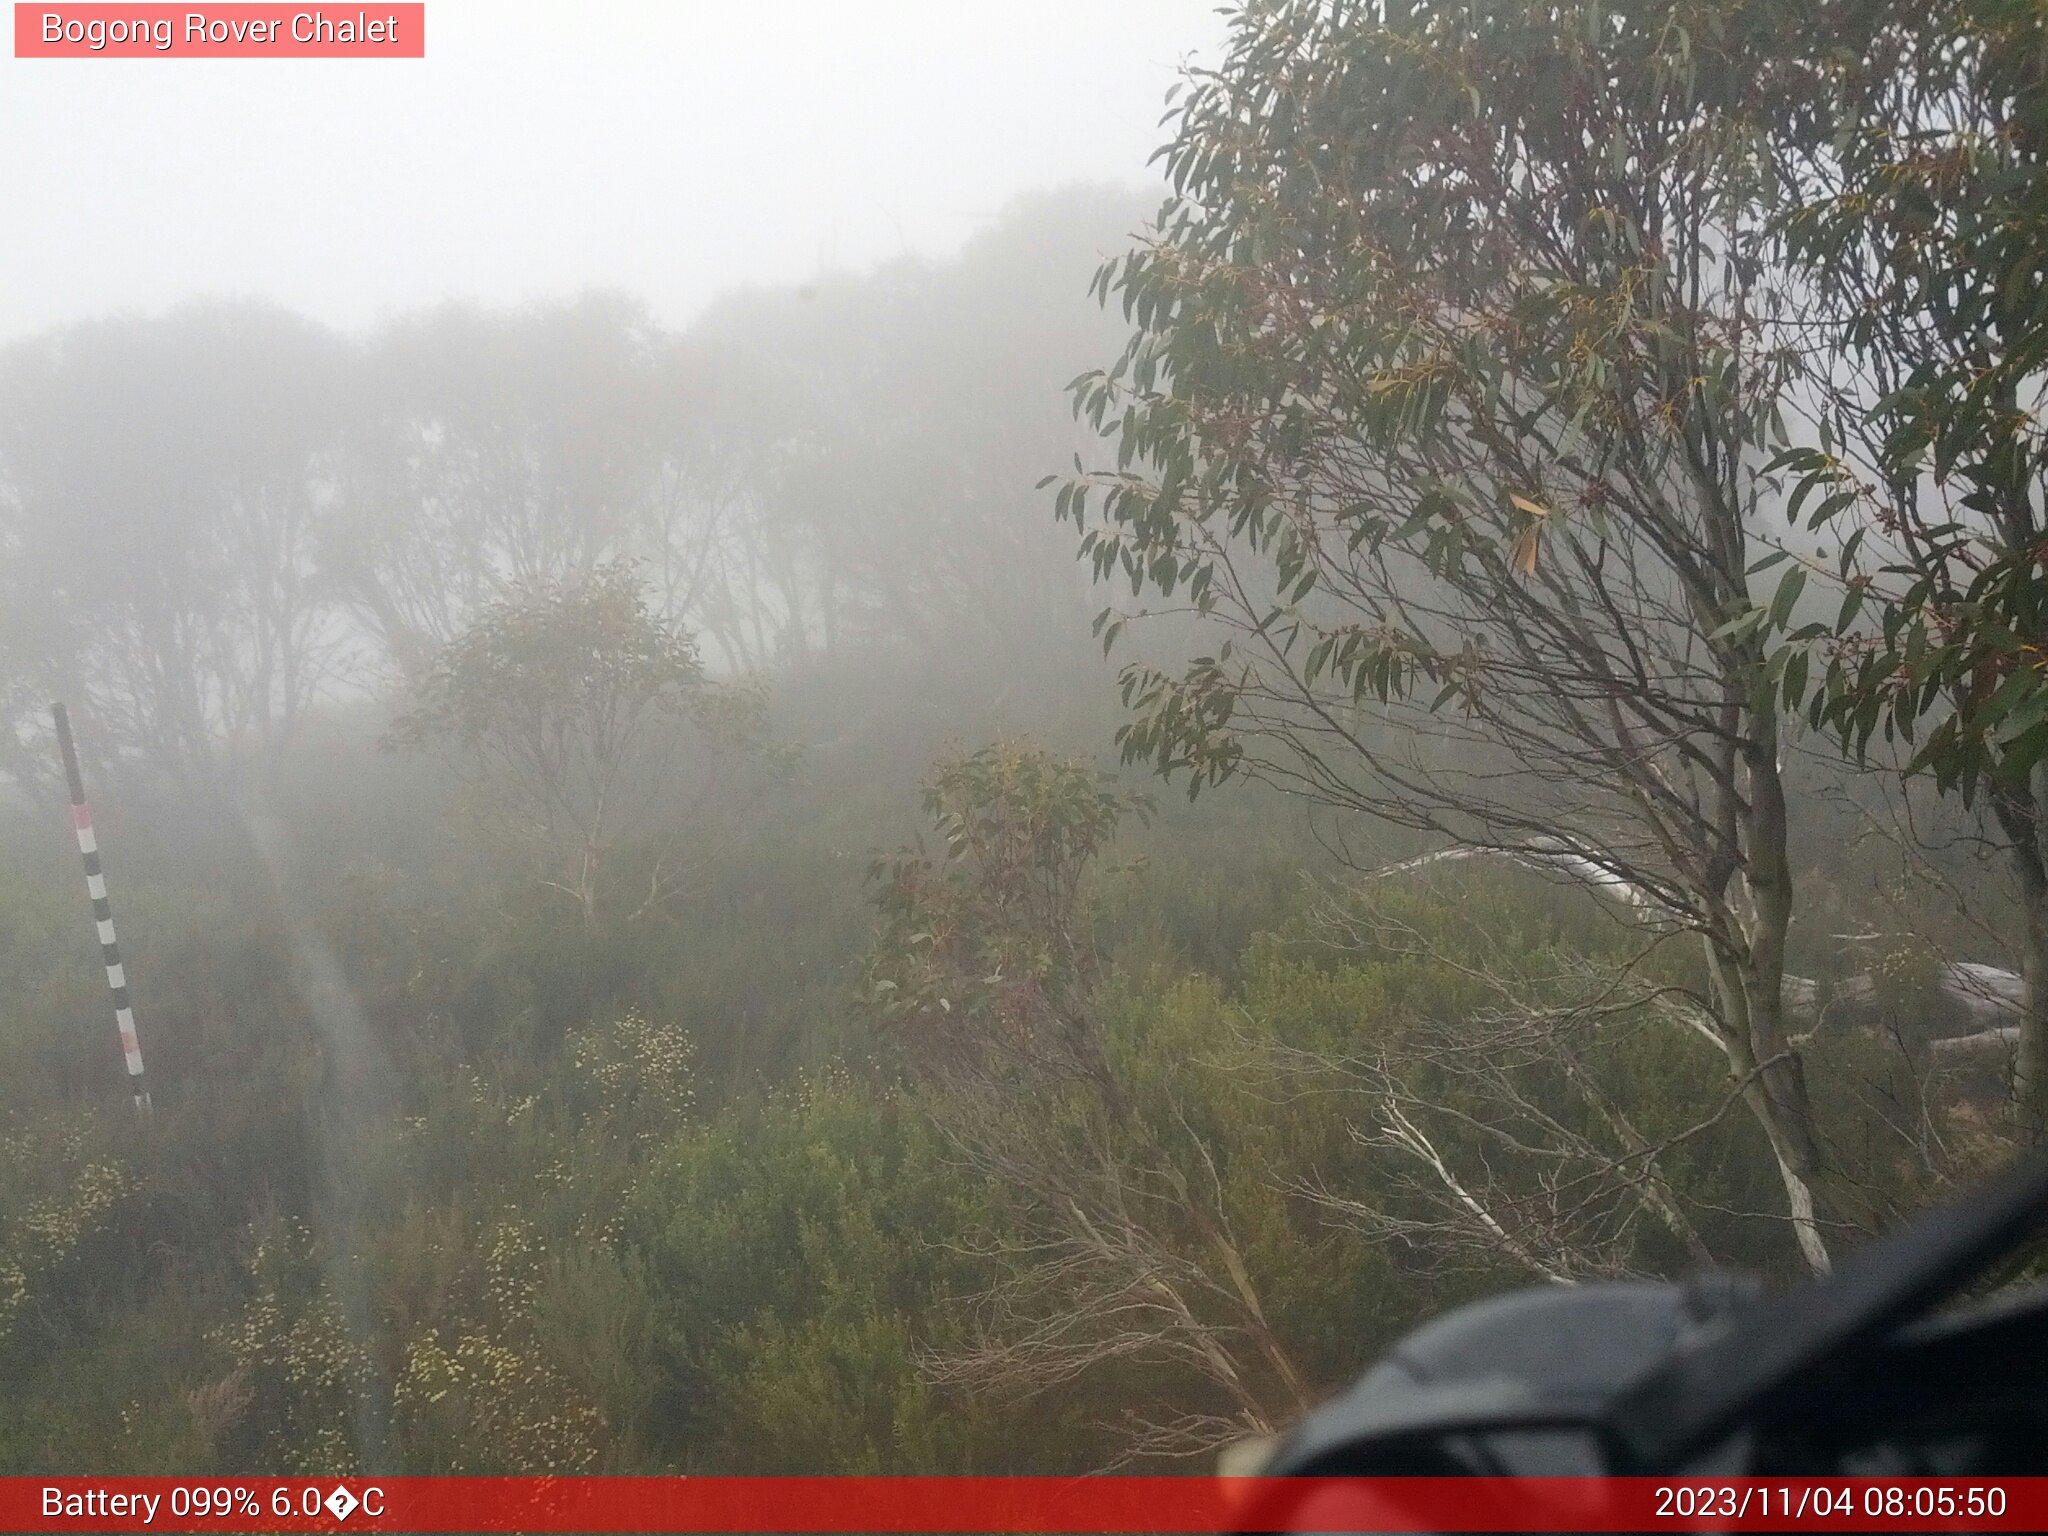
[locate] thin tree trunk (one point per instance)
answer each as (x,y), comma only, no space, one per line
(2030,1059)
(2019,815)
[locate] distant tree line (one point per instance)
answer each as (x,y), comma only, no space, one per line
(215,518)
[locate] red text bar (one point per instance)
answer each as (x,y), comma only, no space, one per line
(1022,1504)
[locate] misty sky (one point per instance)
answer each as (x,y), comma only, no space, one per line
(672,148)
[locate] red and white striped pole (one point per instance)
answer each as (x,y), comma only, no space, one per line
(102,911)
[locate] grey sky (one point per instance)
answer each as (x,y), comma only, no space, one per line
(671,149)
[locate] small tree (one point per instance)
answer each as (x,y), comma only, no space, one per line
(573,700)
(1121,1245)
(984,964)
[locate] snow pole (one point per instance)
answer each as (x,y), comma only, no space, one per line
(102,911)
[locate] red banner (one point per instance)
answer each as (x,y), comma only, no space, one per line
(1022,1504)
(234,31)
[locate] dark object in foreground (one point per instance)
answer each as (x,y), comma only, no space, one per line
(1845,1376)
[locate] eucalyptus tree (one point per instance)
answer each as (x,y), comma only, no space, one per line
(718,551)
(492,450)
(571,701)
(498,449)
(1448,405)
(1919,209)
(893,425)
(163,483)
(1121,1244)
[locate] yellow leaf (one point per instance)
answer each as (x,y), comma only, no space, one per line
(1523,556)
(1528,506)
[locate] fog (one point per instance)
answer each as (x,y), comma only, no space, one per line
(967,738)
(671,150)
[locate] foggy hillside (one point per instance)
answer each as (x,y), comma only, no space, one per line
(1014,853)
